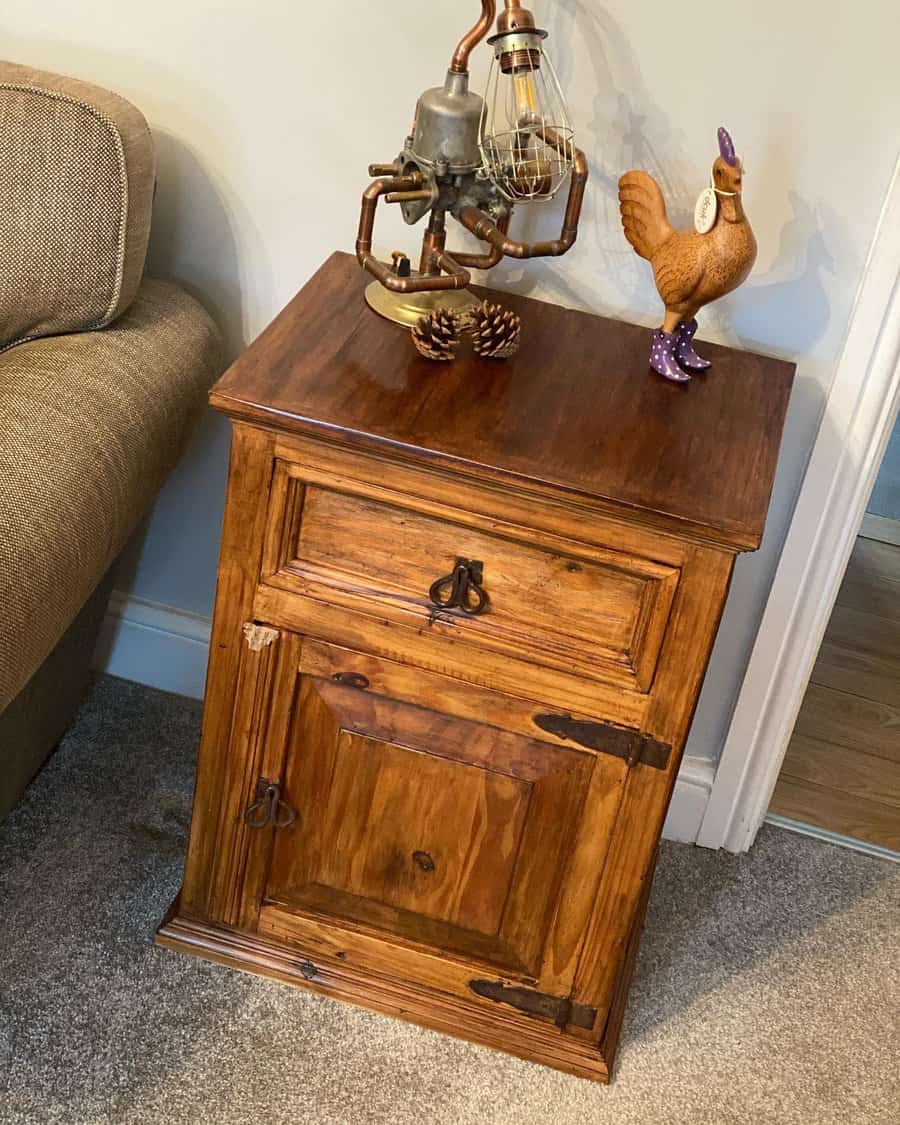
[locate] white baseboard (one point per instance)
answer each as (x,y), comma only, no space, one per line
(156,645)
(689,801)
(166,648)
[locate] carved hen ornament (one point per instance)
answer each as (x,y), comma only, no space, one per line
(691,268)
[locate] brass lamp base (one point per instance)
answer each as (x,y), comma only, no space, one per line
(408,308)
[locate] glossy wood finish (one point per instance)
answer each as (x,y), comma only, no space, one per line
(462,855)
(700,459)
(600,612)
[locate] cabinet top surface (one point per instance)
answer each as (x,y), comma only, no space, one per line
(576,410)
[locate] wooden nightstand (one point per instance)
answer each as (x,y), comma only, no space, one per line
(450,813)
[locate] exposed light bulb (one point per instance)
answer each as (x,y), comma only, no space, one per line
(527,112)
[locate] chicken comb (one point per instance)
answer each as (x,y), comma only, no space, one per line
(726,147)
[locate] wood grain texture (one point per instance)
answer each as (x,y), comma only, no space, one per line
(846,668)
(430,817)
(632,855)
(445,838)
(872,580)
(571,608)
(249,478)
(842,768)
(473,1019)
(600,427)
(507,507)
(850,721)
(836,811)
(856,774)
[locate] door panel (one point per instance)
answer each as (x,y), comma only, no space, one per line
(427,847)
(425,827)
(470,819)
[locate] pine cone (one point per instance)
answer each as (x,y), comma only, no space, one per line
(496,332)
(437,336)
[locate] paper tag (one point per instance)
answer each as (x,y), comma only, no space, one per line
(707,211)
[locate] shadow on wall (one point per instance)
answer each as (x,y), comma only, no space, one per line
(199,252)
(646,139)
(203,254)
(784,311)
(194,242)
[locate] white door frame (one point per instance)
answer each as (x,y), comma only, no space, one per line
(856,425)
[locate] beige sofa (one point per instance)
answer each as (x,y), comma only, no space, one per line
(102,372)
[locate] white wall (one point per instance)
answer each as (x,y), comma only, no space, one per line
(266,115)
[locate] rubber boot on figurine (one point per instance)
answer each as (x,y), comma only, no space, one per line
(691,268)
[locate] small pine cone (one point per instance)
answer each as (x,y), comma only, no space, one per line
(496,332)
(437,336)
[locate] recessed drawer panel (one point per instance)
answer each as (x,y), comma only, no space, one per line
(573,607)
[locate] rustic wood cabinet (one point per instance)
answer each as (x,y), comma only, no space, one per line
(462,620)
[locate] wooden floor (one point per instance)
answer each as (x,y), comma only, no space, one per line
(842,770)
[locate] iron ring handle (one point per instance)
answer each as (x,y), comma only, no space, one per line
(462,589)
(270,810)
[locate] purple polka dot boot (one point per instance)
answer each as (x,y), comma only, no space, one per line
(684,348)
(662,357)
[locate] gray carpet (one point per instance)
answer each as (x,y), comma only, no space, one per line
(767,989)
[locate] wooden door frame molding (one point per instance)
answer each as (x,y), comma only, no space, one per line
(857,421)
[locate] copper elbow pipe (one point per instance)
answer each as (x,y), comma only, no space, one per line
(370,198)
(493,257)
(468,43)
(453,277)
(456,277)
(483,227)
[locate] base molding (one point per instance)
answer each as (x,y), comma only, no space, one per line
(156,645)
(528,1038)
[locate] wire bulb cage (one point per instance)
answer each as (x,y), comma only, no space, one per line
(526,138)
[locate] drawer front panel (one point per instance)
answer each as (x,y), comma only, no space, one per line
(575,608)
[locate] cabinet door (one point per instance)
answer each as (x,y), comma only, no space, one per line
(429,847)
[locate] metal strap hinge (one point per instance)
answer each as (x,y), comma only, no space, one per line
(560,1009)
(631,745)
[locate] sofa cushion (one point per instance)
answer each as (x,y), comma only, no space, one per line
(76,194)
(90,424)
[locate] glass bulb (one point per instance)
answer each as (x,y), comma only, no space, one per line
(525,137)
(527,112)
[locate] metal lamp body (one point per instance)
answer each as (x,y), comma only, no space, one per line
(445,134)
(467,158)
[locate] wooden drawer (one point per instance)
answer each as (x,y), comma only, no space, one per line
(566,618)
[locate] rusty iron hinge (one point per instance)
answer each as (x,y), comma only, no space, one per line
(628,744)
(560,1009)
(269,809)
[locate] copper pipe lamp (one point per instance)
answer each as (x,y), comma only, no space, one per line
(475,158)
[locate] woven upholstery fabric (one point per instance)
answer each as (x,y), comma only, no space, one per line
(90,424)
(76,194)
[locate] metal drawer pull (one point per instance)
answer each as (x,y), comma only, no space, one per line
(462,589)
(269,810)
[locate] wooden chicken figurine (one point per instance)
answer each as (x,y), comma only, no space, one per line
(691,268)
